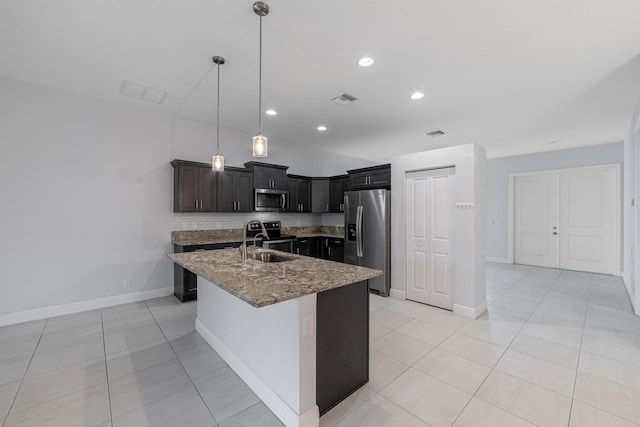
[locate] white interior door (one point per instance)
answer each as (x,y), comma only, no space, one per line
(568,219)
(536,220)
(429,272)
(587,219)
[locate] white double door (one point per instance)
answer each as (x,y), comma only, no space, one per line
(568,219)
(429,269)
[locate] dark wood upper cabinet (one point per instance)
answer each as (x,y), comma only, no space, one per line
(372,177)
(235,190)
(299,188)
(338,186)
(268,176)
(320,189)
(194,187)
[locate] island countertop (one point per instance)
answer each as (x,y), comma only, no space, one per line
(261,284)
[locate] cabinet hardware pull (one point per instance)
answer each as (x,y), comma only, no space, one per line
(196,204)
(192,289)
(329,250)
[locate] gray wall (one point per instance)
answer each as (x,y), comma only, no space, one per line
(86,188)
(498,171)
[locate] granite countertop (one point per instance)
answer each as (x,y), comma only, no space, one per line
(206,237)
(261,284)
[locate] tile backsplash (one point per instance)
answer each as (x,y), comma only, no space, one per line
(224,220)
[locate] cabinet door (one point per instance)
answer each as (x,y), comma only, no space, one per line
(226,200)
(334,249)
(303,247)
(320,189)
(380,178)
(359,180)
(279,179)
(336,193)
(243,191)
(292,187)
(186,189)
(261,177)
(269,177)
(206,190)
(304,195)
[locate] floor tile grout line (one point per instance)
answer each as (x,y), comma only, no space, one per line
(25,374)
(148,367)
(493,368)
(106,369)
(575,380)
(182,365)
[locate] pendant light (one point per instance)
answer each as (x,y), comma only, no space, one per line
(260,142)
(217,161)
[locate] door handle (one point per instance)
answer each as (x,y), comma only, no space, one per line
(359,231)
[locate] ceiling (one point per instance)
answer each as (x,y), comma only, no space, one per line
(507,74)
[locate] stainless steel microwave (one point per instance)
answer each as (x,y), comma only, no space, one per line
(271,200)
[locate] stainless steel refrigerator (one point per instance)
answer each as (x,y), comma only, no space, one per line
(367,228)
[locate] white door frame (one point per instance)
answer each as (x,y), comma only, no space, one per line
(616,208)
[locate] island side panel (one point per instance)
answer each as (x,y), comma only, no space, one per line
(342,362)
(266,347)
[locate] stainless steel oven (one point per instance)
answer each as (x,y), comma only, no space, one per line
(284,245)
(276,240)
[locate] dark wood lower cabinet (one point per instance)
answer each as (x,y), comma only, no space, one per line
(342,343)
(185,283)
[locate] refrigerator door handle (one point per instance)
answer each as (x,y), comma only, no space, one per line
(359,213)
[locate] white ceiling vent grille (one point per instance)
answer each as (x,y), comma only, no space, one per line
(145,93)
(344,99)
(434,133)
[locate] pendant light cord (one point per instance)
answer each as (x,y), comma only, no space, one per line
(218,116)
(260,84)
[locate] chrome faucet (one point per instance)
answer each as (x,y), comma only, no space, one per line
(243,248)
(254,243)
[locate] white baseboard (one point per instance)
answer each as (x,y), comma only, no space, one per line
(310,418)
(77,307)
(396,293)
(470,312)
(498,259)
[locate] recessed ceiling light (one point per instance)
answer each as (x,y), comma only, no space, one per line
(417,95)
(322,128)
(271,112)
(365,61)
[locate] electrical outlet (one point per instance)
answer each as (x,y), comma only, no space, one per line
(126,283)
(307,325)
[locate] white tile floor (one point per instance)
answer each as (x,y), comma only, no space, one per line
(555,348)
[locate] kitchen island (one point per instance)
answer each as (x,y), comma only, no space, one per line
(295,331)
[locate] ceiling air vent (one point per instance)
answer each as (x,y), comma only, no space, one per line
(344,99)
(145,93)
(434,133)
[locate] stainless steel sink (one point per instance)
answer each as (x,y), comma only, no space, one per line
(268,256)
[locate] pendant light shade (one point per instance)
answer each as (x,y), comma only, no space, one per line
(260,142)
(260,146)
(217,161)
